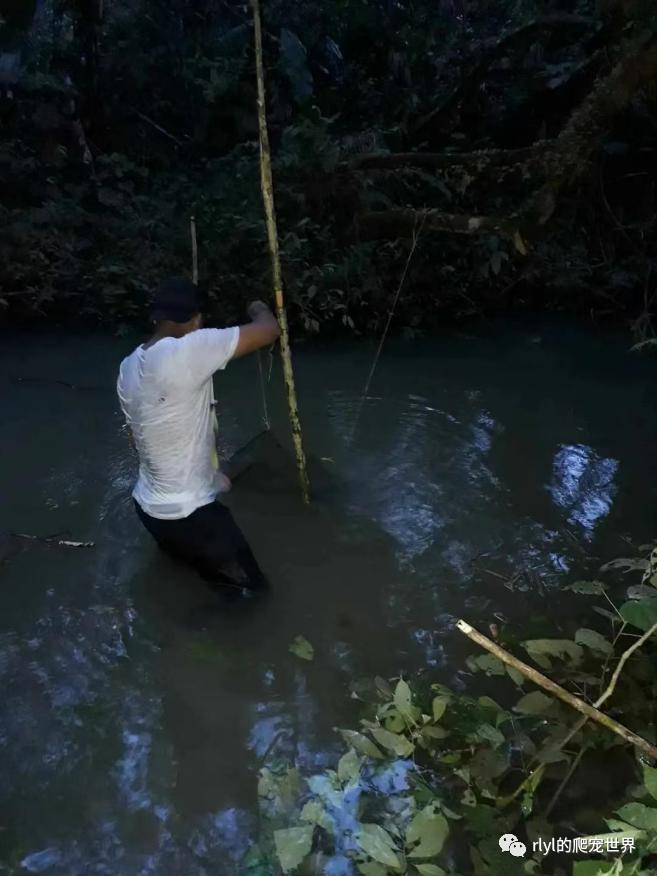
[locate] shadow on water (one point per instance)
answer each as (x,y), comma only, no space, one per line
(138,707)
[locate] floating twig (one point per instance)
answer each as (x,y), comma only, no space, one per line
(53,539)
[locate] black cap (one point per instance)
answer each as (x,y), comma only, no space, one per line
(176,299)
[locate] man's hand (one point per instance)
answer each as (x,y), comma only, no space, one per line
(261,332)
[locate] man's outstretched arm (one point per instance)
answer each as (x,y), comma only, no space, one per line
(261,332)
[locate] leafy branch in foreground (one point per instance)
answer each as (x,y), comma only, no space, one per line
(431,778)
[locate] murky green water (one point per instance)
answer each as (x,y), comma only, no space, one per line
(137,710)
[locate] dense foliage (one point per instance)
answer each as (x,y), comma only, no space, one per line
(389,119)
(434,777)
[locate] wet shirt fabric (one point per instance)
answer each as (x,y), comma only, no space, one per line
(166,395)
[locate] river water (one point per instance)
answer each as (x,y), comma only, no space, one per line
(485,472)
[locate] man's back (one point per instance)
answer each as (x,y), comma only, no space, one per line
(166,395)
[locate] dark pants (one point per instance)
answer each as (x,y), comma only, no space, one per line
(211,542)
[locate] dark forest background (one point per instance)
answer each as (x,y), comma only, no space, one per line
(514,140)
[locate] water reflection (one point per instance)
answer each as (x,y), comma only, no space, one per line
(583,485)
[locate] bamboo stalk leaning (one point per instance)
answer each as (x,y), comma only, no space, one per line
(267,185)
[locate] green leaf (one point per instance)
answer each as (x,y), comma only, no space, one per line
(618,834)
(638,815)
(383,687)
(519,243)
(292,846)
(438,707)
(592,868)
(394,722)
(281,789)
(378,844)
(348,766)
(469,798)
(393,741)
(402,699)
(534,703)
(488,764)
(541,650)
(640,591)
(314,813)
(626,564)
(371,868)
(488,733)
(489,703)
(256,862)
(515,676)
(641,613)
(594,641)
(587,588)
(650,780)
(433,732)
(361,743)
(427,832)
(429,870)
(302,648)
(621,828)
(487,663)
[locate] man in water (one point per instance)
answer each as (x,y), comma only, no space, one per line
(165,390)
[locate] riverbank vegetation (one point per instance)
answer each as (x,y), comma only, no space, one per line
(513,142)
(434,776)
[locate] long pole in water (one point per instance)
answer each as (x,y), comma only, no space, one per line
(272,236)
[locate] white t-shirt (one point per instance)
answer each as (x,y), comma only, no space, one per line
(167,397)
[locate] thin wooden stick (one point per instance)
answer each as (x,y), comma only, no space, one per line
(625,656)
(571,772)
(158,128)
(574,730)
(53,539)
(277,277)
(611,687)
(192,228)
(556,690)
(391,313)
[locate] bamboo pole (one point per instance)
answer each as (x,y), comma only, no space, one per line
(556,690)
(192,230)
(272,236)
